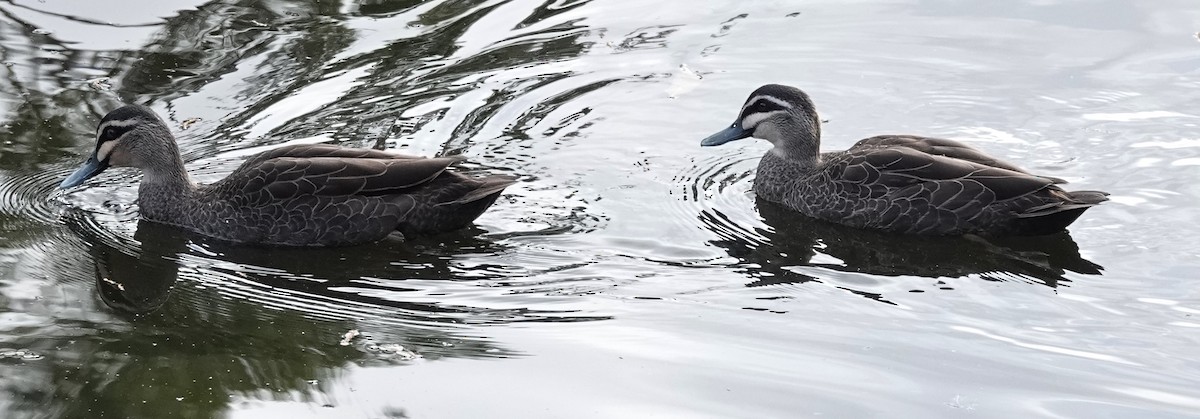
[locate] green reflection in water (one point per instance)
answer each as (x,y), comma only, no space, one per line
(135,328)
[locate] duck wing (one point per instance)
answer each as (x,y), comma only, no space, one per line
(927,193)
(902,168)
(344,173)
(325,150)
(939,147)
(318,196)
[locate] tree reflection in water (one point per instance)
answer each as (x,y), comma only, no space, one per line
(191,324)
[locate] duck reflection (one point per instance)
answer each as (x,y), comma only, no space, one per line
(207,334)
(795,240)
(137,279)
(395,257)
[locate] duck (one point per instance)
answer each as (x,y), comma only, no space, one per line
(903,184)
(308,195)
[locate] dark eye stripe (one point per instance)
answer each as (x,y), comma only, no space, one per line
(762,106)
(765,105)
(114,132)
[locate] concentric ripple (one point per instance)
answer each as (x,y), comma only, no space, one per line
(716,190)
(24,202)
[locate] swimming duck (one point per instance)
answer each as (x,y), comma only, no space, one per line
(898,183)
(299,195)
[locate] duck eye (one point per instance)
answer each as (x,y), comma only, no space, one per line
(110,133)
(764,106)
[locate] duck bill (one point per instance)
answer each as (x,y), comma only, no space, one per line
(734,132)
(90,168)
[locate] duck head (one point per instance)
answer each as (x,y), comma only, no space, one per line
(130,136)
(783,115)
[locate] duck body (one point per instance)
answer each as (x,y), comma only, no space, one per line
(897,183)
(300,195)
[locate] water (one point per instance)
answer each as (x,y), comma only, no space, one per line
(630,273)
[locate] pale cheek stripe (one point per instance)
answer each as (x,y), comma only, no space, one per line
(753,119)
(102,153)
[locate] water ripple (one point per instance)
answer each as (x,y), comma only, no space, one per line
(24,205)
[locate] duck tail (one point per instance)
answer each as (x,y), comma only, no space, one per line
(1057,215)
(1090,198)
(488,190)
(453,203)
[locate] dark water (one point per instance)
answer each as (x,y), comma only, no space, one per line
(630,273)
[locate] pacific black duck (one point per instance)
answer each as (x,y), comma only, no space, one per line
(898,183)
(300,195)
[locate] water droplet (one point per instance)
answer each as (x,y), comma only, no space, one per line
(40,31)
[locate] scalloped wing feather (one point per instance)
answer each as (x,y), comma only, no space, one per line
(907,172)
(321,195)
(937,146)
(326,150)
(261,182)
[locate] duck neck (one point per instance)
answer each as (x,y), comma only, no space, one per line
(165,190)
(800,147)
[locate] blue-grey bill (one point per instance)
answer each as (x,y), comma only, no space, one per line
(734,132)
(91,167)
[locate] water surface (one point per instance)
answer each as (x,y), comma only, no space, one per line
(630,273)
